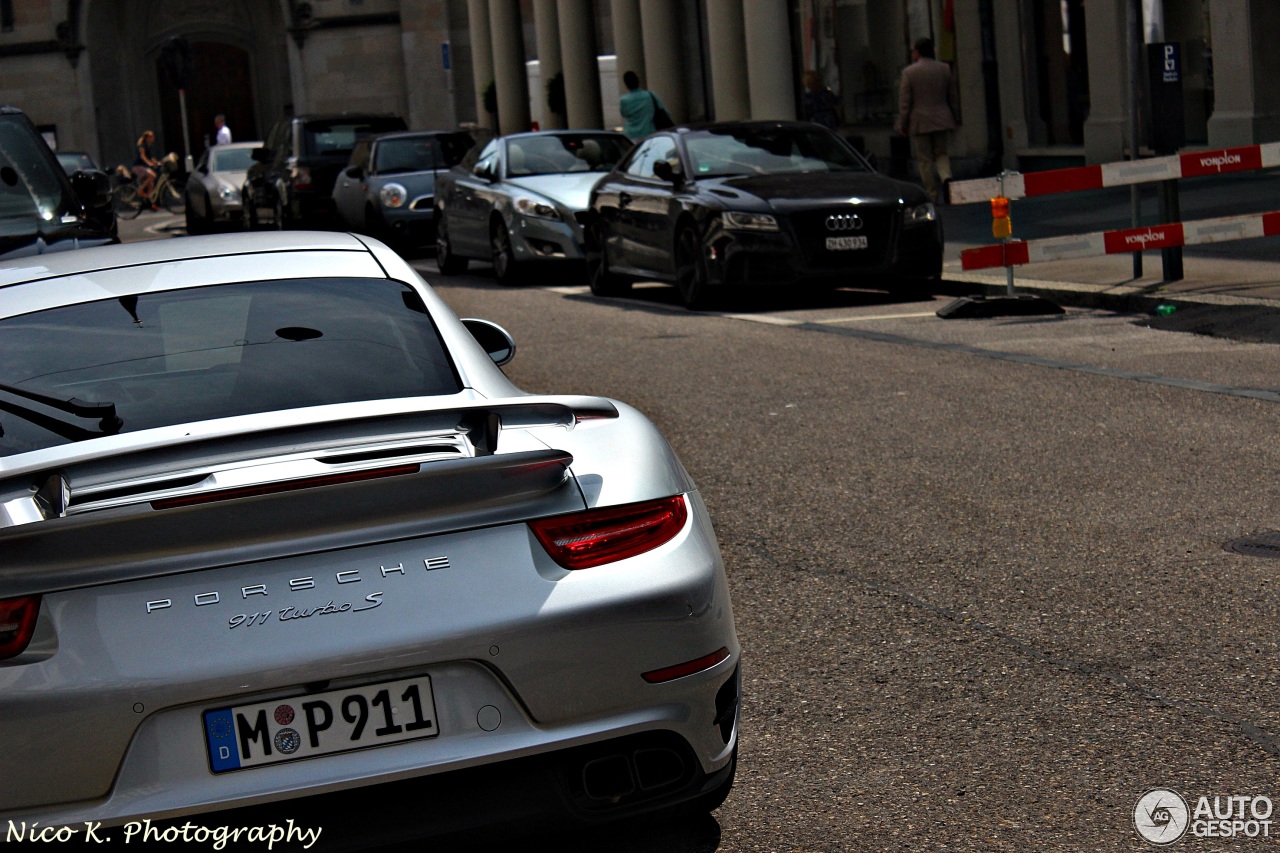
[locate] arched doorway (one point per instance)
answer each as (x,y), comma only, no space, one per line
(220,83)
(239,60)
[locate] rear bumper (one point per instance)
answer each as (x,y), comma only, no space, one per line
(555,791)
(556,659)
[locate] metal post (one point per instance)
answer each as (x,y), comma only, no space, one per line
(1135,95)
(1008,267)
(1171,211)
(187,162)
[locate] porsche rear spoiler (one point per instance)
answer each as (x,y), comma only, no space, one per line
(482,420)
(139,541)
(143,503)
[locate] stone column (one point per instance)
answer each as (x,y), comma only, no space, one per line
(727,39)
(1106,129)
(508,66)
(547,27)
(660,23)
(429,85)
(581,67)
(1246,103)
(628,40)
(970,139)
(770,70)
(1013,90)
(481,57)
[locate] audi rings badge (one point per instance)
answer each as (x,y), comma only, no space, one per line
(844,222)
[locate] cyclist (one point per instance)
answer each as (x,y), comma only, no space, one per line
(145,166)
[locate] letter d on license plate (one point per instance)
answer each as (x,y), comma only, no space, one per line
(319,724)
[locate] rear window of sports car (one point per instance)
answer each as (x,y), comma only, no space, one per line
(211,352)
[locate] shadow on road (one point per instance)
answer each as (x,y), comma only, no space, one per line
(691,835)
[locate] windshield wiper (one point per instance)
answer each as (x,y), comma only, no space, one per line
(108,421)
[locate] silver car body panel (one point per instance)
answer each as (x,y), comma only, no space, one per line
(207,188)
(470,202)
(142,621)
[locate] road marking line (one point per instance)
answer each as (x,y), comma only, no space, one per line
(760,318)
(573,290)
(878,317)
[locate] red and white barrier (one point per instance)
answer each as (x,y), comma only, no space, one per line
(1192,165)
(1018,252)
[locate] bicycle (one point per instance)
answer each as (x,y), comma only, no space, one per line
(128,202)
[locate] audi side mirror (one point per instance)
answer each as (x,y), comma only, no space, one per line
(667,171)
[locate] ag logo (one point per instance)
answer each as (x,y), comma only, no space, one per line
(1161,816)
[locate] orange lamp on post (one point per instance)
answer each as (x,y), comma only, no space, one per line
(1001,226)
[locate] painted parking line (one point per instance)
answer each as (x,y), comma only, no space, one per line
(856,319)
(758,318)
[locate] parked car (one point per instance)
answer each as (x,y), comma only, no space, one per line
(291,181)
(42,209)
(213,190)
(274,524)
(516,200)
(75,161)
(388,188)
(723,207)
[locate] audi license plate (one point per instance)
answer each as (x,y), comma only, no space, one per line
(319,724)
(843,244)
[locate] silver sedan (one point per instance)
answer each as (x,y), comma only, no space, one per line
(275,526)
(516,200)
(213,190)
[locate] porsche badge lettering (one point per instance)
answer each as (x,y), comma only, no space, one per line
(302,584)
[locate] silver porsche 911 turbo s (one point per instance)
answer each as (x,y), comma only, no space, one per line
(277,531)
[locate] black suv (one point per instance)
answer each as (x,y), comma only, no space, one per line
(292,180)
(42,209)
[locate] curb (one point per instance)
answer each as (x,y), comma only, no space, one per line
(1125,299)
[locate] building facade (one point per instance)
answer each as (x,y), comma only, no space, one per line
(1042,82)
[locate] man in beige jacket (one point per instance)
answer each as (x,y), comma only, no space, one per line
(927,111)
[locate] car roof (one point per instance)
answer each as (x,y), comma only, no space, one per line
(253,143)
(591,131)
(414,134)
(104,258)
(342,116)
(759,124)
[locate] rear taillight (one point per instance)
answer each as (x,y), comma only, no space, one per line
(17,624)
(301,177)
(598,536)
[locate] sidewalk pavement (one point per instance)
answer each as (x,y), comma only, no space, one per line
(1108,282)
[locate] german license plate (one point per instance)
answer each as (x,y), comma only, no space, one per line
(319,724)
(844,244)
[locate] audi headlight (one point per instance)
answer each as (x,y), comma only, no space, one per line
(922,213)
(393,195)
(749,221)
(539,209)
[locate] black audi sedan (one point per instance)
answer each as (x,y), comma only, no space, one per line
(718,208)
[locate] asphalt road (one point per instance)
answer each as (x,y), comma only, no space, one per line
(978,566)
